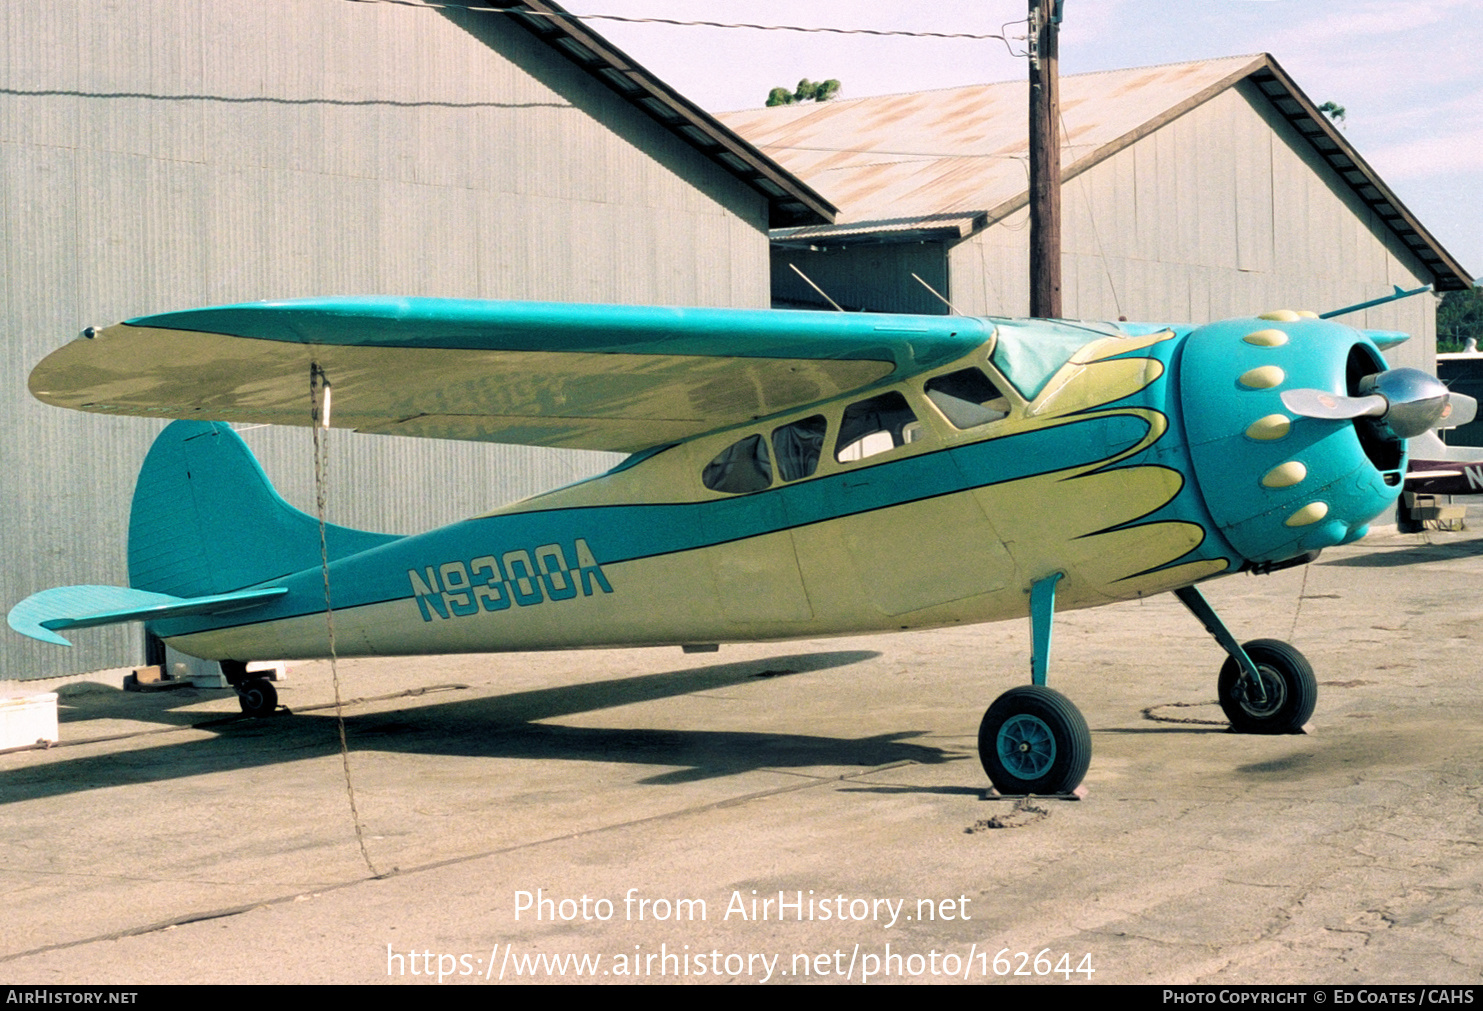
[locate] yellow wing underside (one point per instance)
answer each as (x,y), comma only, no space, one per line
(580,400)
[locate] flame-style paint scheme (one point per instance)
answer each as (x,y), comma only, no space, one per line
(1122,460)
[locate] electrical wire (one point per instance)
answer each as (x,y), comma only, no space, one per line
(569,16)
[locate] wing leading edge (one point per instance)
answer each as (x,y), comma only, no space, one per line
(621,378)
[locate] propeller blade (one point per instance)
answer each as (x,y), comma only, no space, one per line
(1406,402)
(1332,406)
(1460,410)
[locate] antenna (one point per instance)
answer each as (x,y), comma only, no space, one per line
(814,286)
(939,295)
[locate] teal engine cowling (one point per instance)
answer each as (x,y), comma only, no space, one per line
(1280,482)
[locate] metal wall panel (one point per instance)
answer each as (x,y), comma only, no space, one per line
(1222,212)
(157,157)
(990,272)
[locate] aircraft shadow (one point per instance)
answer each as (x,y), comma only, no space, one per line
(501,726)
(104,702)
(1412,555)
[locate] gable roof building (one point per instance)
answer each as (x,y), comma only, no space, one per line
(158,157)
(1190,191)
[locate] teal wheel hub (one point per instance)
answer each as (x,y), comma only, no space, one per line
(1026,746)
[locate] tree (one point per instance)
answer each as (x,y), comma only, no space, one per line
(807,91)
(1459,316)
(823,91)
(1333,110)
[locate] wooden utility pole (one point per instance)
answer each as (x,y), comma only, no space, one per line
(1045,161)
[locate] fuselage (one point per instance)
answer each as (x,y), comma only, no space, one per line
(930,501)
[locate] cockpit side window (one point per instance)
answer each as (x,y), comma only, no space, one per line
(877,425)
(967,398)
(798,446)
(744,466)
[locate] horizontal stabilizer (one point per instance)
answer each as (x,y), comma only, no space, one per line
(86,606)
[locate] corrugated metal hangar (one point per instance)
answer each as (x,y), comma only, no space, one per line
(1191,192)
(157,157)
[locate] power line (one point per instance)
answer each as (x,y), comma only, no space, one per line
(568,16)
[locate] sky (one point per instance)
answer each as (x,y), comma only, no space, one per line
(1409,74)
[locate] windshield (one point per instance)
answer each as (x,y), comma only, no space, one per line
(1029,351)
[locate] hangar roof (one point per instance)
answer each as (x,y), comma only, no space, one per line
(791,201)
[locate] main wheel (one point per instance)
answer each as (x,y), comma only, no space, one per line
(1033,740)
(258,697)
(1291,690)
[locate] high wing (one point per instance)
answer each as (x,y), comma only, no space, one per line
(621,378)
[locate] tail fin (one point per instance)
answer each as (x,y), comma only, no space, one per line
(205,519)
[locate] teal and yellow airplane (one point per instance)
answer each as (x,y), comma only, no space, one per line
(792,475)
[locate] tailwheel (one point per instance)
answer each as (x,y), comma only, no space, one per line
(1287,681)
(257,697)
(1033,740)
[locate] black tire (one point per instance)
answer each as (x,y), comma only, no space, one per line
(1033,740)
(1292,691)
(258,697)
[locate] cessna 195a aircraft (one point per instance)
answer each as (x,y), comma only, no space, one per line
(793,475)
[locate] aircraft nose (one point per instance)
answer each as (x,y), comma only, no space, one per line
(1280,477)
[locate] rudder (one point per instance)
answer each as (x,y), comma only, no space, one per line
(206,520)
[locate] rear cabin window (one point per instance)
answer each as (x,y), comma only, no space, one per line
(741,467)
(874,426)
(798,446)
(967,398)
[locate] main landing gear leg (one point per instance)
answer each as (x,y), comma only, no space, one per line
(255,694)
(1266,686)
(1032,739)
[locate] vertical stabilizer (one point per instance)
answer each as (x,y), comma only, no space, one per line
(206,520)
